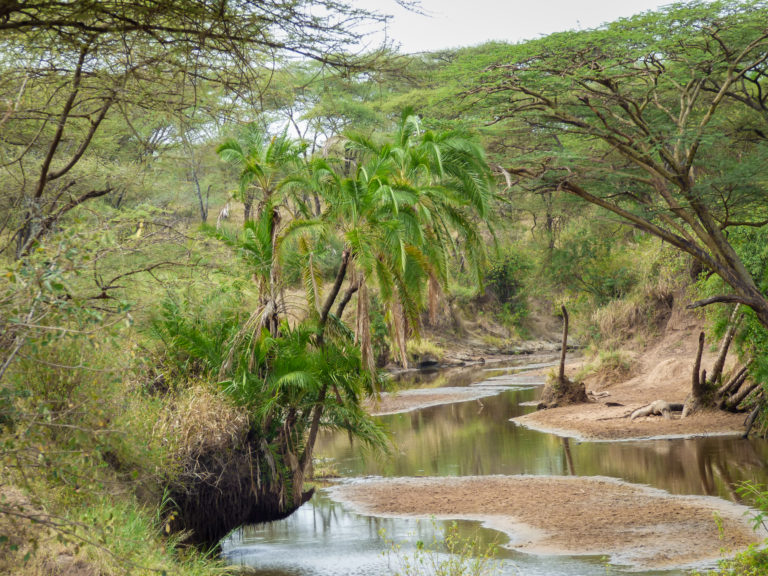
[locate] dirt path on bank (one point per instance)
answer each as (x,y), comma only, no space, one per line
(632,524)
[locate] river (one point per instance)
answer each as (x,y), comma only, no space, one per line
(475,438)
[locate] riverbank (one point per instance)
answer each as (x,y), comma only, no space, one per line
(632,524)
(459,384)
(661,371)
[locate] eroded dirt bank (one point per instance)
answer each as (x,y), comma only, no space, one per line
(632,524)
(661,371)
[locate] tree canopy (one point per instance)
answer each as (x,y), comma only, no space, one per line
(68,67)
(632,117)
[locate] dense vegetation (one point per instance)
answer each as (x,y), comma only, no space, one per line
(152,356)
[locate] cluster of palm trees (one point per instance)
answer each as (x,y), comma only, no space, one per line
(402,208)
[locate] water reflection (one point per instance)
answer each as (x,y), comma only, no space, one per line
(323,538)
(477,438)
(473,438)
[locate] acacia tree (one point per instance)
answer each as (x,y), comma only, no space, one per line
(660,119)
(68,66)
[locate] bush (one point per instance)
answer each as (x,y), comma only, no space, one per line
(418,349)
(754,560)
(505,280)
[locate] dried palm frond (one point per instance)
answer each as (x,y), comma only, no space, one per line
(399,329)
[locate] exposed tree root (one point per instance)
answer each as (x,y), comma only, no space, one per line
(697,399)
(221,491)
(657,408)
(750,421)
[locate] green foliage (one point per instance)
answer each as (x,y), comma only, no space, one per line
(751,245)
(753,561)
(507,280)
(415,190)
(195,335)
(407,195)
(632,117)
(757,495)
(594,263)
(264,163)
(274,376)
(379,331)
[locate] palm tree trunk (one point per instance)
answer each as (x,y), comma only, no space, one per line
(331,298)
(306,456)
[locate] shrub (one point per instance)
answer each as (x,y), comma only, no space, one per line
(505,280)
(754,560)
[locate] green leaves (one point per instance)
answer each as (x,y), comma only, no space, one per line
(653,119)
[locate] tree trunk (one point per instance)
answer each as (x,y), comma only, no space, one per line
(753,416)
(696,400)
(564,346)
(331,298)
(247,207)
(202,202)
(561,391)
(731,385)
(740,396)
(733,325)
(350,291)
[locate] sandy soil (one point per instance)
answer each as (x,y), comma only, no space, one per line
(663,371)
(632,524)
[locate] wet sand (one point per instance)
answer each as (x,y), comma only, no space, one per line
(420,398)
(408,400)
(632,524)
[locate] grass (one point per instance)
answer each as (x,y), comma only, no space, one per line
(84,458)
(449,554)
(90,533)
(423,347)
(754,560)
(324,469)
(608,365)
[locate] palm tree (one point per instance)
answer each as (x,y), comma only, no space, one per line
(402,209)
(281,380)
(289,382)
(266,164)
(416,200)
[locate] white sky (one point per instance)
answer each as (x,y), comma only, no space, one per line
(454,23)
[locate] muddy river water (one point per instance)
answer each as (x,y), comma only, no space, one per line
(477,438)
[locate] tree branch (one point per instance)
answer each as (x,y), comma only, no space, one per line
(68,105)
(722,299)
(331,298)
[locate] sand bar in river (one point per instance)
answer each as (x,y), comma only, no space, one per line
(631,524)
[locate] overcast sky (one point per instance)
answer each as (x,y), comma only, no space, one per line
(454,23)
